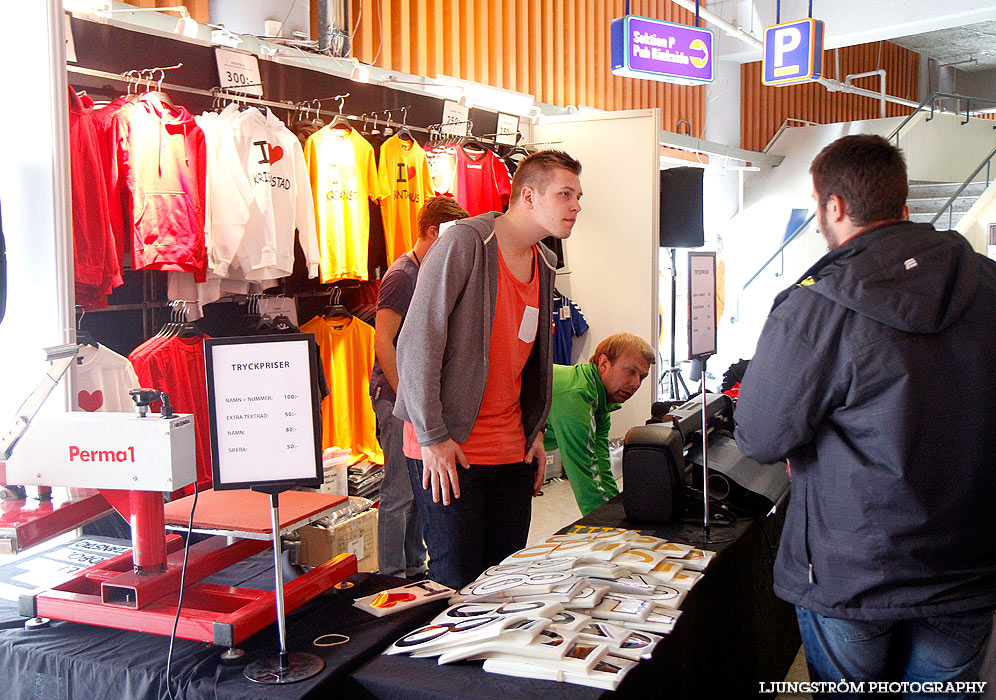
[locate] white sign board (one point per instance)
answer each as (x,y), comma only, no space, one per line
(238,72)
(263,402)
(508,129)
(701,305)
(455,117)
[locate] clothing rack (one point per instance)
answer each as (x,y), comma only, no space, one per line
(237,97)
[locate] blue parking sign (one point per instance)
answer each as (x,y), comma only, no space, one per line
(793,52)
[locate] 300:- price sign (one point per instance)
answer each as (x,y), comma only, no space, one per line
(238,72)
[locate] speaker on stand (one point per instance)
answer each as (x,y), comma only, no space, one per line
(680,227)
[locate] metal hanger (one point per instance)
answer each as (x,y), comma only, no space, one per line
(83,337)
(335,307)
(339,121)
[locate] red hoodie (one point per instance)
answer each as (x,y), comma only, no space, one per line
(97,268)
(160,160)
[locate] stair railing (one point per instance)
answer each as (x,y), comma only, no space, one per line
(929,103)
(949,205)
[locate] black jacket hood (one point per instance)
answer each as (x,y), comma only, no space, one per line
(904,275)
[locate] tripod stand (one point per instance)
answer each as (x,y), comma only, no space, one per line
(671,379)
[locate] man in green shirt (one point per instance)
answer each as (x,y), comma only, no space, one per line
(583,396)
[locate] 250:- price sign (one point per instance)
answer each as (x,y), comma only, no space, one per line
(238,72)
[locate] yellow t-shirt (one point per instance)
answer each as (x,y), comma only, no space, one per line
(406,184)
(343,176)
(348,420)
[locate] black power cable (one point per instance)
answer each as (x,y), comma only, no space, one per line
(179,602)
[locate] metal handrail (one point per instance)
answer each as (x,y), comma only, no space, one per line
(929,99)
(950,202)
(788,239)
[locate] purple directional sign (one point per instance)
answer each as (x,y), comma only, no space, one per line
(656,50)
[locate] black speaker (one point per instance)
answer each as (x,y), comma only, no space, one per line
(652,465)
(739,480)
(681,208)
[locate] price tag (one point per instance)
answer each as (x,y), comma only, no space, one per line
(238,72)
(455,117)
(508,129)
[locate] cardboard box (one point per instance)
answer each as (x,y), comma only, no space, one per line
(357,535)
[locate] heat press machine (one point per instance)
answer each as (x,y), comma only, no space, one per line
(663,460)
(133,459)
(27,521)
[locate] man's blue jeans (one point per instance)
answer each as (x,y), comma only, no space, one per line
(487,523)
(931,649)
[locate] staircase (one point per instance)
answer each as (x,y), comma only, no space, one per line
(926,199)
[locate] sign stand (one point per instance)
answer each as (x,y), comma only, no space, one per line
(702,344)
(283,668)
(263,403)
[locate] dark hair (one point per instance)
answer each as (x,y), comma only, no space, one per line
(535,170)
(867,172)
(439,210)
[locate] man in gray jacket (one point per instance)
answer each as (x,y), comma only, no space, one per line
(875,376)
(474,365)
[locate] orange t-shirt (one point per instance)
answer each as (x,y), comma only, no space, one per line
(497,436)
(347,350)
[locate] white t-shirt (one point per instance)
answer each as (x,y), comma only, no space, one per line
(103,380)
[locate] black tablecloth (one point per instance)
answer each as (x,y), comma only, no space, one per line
(70,661)
(732,634)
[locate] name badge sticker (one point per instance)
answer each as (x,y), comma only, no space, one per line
(530,320)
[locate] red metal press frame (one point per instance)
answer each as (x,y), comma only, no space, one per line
(139,590)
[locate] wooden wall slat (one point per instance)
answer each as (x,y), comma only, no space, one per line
(556,50)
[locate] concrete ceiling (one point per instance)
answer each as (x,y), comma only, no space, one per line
(957,46)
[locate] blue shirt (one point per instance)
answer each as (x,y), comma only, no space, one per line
(396,290)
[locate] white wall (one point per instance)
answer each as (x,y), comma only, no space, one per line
(247,16)
(755,234)
(612,253)
(941,150)
(944,149)
(35,200)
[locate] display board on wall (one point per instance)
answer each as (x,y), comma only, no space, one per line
(701,304)
(264,410)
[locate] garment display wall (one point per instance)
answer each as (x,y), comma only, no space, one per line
(112,49)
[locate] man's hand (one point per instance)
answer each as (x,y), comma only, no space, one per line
(440,469)
(537,452)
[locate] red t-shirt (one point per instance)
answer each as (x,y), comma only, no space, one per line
(483,183)
(497,436)
(176,366)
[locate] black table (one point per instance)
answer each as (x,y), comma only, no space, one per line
(71,661)
(733,634)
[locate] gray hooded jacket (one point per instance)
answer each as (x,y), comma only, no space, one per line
(876,376)
(444,343)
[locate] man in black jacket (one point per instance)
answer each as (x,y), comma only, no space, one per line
(875,375)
